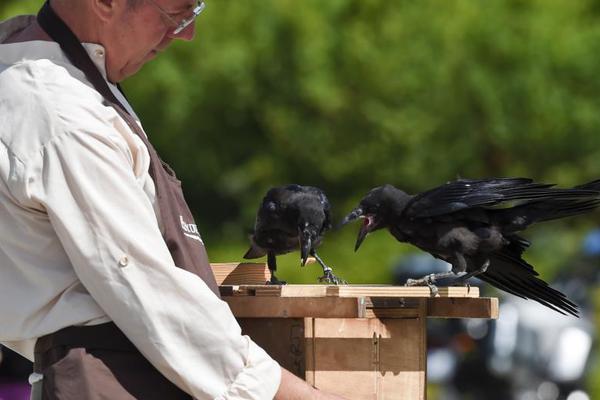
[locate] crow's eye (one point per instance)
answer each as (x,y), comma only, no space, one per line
(372,209)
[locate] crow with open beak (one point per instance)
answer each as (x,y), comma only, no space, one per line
(289,218)
(473,225)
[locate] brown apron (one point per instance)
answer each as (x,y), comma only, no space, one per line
(99,362)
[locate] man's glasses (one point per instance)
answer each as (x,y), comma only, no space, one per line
(183,23)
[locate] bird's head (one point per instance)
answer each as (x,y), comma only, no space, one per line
(377,210)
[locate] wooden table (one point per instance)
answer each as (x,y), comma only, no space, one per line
(362,342)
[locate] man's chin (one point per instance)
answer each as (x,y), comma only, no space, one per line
(127,71)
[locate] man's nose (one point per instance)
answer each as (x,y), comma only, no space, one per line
(187,34)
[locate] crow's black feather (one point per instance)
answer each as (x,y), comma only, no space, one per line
(289,218)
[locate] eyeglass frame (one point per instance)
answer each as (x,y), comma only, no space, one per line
(184,23)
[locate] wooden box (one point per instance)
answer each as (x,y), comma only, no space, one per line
(362,342)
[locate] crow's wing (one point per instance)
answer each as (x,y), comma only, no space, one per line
(324,202)
(496,192)
(272,214)
(509,272)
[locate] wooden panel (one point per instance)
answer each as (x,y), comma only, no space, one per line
(402,359)
(240,273)
(437,307)
(368,358)
(483,307)
(395,307)
(295,307)
(282,338)
(341,355)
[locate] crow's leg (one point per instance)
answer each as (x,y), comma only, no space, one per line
(460,264)
(462,280)
(430,280)
(328,275)
(272,264)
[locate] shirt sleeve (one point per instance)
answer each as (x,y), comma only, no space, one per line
(86,180)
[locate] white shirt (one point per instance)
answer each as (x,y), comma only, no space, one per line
(80,242)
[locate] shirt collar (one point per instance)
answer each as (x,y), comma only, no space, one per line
(37,49)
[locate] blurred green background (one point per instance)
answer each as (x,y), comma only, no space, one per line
(347,95)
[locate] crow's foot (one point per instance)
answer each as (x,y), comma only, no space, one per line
(329,277)
(430,280)
(275,281)
(462,280)
(427,280)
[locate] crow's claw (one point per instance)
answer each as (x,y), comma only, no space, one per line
(428,281)
(462,282)
(329,277)
(275,281)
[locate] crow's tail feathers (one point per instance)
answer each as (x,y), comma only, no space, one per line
(548,209)
(509,272)
(593,185)
(556,209)
(255,252)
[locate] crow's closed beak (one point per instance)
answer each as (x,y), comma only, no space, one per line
(305,246)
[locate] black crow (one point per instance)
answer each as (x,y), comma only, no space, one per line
(289,218)
(473,225)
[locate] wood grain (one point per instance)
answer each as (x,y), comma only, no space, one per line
(295,307)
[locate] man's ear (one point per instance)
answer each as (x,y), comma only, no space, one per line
(106,9)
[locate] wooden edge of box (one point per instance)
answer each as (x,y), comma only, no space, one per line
(455,307)
(295,307)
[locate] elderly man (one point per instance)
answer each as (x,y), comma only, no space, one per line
(105,280)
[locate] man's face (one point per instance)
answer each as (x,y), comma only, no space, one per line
(137,34)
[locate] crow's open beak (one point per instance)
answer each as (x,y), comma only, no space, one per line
(364,228)
(305,246)
(362,233)
(355,214)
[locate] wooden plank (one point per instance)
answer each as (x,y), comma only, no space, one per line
(295,307)
(294,290)
(291,290)
(240,273)
(438,307)
(309,334)
(482,307)
(399,291)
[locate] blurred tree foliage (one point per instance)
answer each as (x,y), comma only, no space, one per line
(348,94)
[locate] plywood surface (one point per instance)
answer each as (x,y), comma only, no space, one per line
(367,358)
(345,291)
